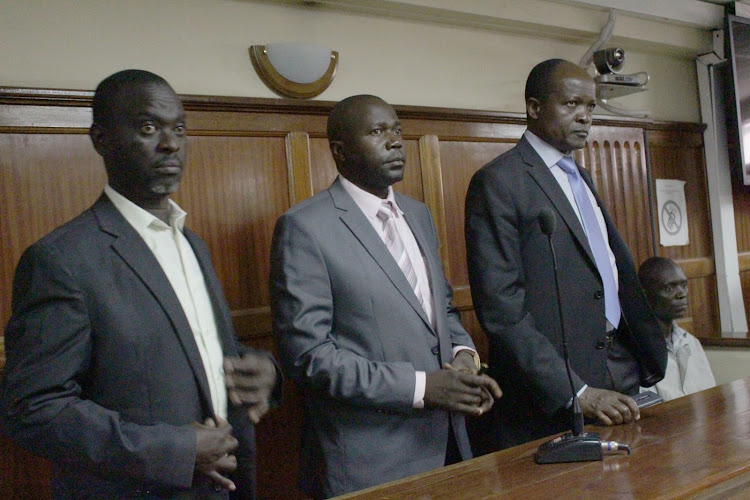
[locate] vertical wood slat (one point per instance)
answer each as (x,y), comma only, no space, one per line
(298,166)
(432,182)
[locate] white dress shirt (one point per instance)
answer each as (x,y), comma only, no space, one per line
(370,204)
(177,259)
(688,370)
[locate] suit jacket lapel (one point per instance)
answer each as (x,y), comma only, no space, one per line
(547,182)
(222,316)
(131,248)
(357,222)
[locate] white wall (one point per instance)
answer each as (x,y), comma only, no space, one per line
(200,46)
(728,363)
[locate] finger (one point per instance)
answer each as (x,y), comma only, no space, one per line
(603,418)
(226,463)
(492,386)
(220,422)
(624,411)
(209,422)
(633,406)
(487,402)
(256,412)
(222,481)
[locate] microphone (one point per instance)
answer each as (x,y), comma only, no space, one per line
(576,446)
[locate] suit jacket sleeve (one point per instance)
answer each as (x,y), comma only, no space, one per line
(459,335)
(49,341)
(302,302)
(496,230)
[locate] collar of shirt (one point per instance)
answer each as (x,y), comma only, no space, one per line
(550,156)
(140,218)
(677,338)
(368,202)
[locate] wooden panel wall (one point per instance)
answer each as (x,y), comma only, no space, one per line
(251,159)
(678,154)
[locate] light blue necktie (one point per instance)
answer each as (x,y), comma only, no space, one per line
(596,239)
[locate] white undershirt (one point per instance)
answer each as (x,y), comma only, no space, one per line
(177,259)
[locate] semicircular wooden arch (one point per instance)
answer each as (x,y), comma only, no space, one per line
(285,87)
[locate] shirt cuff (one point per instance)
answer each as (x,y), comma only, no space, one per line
(580,391)
(419,389)
(475,355)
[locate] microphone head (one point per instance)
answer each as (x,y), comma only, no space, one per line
(547,220)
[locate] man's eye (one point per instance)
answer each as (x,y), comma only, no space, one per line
(397,132)
(148,128)
(180,130)
(377,131)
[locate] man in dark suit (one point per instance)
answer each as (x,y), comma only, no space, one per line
(364,322)
(122,364)
(613,338)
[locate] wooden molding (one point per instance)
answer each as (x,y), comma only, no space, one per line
(298,167)
(432,182)
(64,97)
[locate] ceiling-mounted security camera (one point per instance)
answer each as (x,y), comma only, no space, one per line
(609,63)
(609,60)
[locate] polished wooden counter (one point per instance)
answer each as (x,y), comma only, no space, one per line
(692,447)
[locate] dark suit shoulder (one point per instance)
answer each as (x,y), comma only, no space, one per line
(73,234)
(510,159)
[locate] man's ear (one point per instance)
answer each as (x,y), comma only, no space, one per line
(96,133)
(337,151)
(532,107)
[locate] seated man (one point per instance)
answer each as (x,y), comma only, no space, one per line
(688,370)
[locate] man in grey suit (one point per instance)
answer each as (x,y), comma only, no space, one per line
(613,338)
(122,364)
(363,319)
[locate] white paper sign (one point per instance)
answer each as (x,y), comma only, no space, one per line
(672,212)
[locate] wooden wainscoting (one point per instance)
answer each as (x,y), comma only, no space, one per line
(251,159)
(678,154)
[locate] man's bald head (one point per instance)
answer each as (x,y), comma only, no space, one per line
(364,134)
(347,112)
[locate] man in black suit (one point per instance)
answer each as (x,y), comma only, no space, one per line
(613,338)
(122,364)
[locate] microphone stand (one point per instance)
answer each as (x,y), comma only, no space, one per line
(578,445)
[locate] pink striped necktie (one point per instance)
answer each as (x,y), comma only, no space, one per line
(398,250)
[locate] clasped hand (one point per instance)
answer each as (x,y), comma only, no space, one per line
(250,380)
(215,446)
(460,387)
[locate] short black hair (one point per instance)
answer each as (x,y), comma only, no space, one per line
(342,114)
(108,89)
(651,267)
(538,83)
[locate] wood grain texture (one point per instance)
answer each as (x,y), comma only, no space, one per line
(249,160)
(684,448)
(679,155)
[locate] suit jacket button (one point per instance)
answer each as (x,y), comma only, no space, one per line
(598,294)
(601,344)
(435,350)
